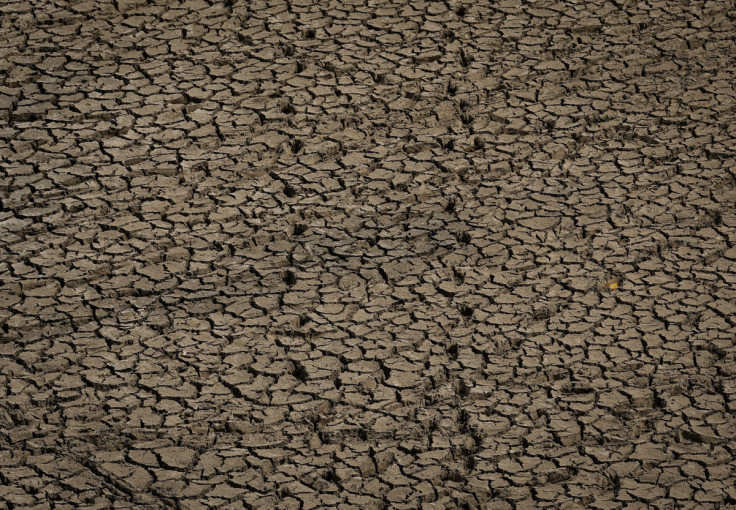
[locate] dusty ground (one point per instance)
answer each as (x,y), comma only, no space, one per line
(367,254)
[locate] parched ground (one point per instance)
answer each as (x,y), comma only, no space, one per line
(367,254)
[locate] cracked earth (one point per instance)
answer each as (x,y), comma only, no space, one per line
(367,254)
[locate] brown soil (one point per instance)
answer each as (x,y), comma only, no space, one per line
(367,254)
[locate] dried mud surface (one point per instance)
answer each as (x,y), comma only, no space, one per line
(367,254)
